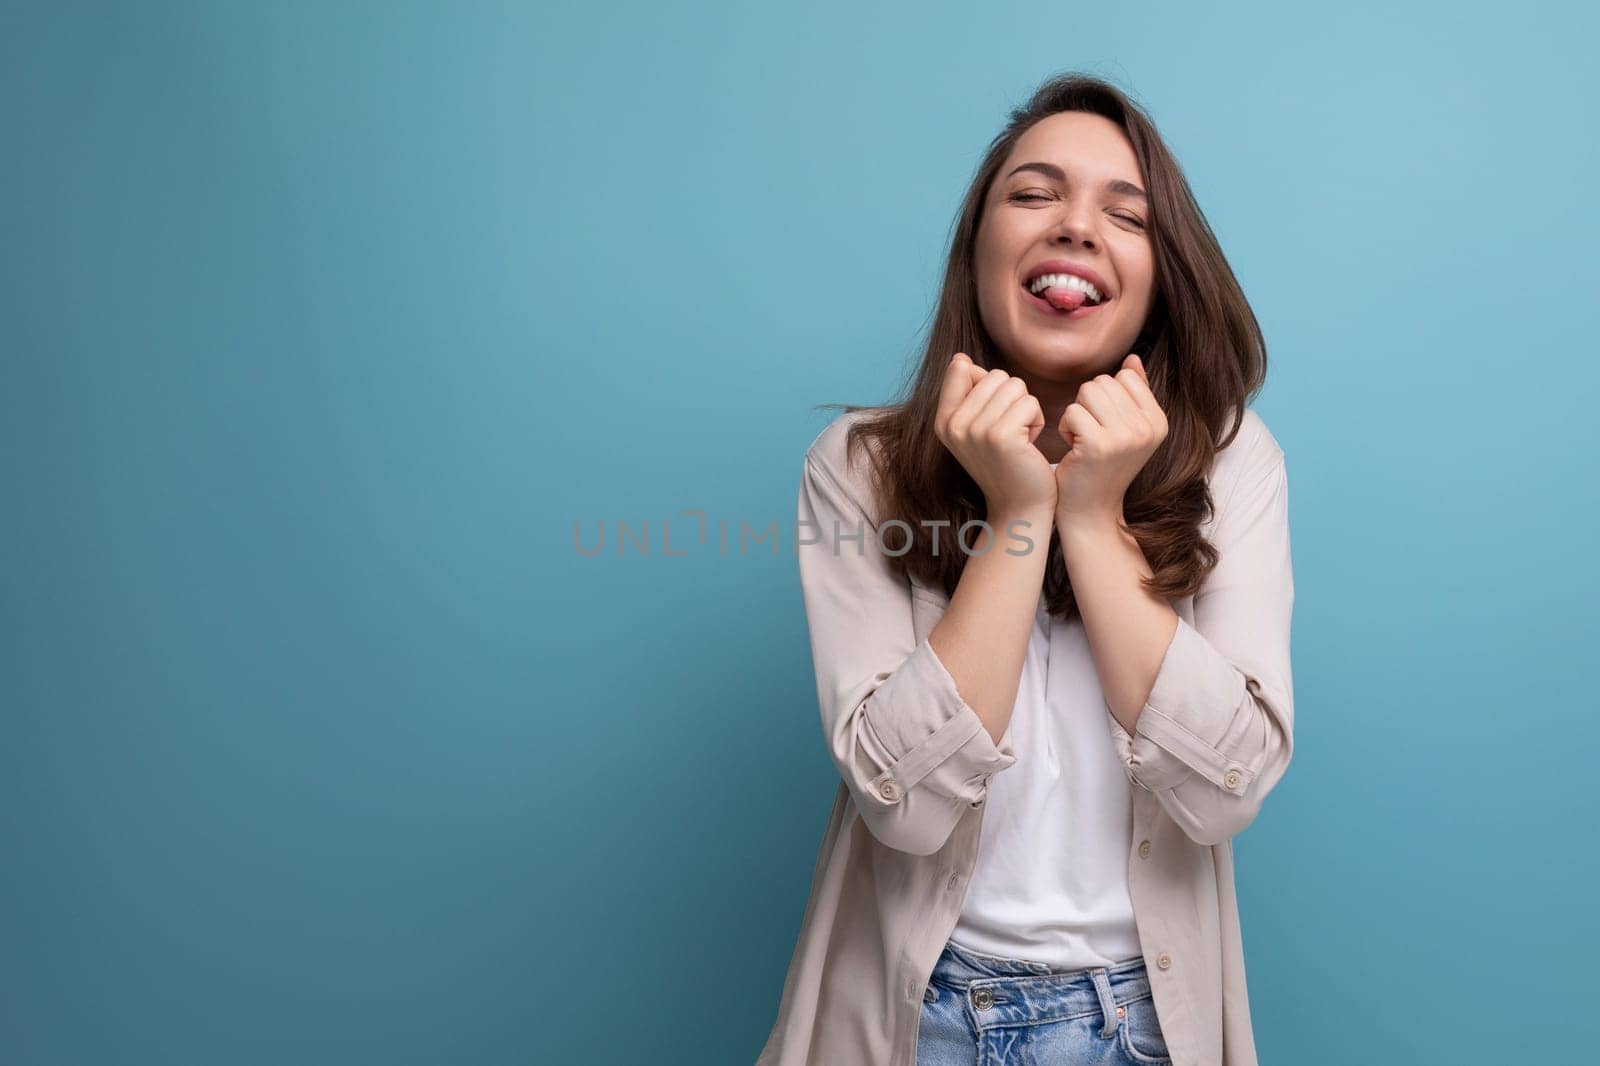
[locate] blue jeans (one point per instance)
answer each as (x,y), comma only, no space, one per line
(983,1010)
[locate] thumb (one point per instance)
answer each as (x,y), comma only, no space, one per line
(1134,363)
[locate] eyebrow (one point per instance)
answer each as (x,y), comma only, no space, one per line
(1116,185)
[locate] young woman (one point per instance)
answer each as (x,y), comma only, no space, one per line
(1049,598)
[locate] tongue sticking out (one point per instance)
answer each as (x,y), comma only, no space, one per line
(1064,299)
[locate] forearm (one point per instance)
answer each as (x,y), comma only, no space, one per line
(1128,629)
(982,639)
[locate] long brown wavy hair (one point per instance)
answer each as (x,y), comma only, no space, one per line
(1201,345)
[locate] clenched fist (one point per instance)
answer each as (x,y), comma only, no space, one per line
(989,421)
(1112,429)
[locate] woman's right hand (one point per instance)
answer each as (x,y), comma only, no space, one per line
(989,421)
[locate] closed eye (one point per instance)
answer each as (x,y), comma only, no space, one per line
(1132,220)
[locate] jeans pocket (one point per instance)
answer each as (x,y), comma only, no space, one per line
(944,1035)
(1140,1034)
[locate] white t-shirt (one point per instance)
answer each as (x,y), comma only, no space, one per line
(1051,881)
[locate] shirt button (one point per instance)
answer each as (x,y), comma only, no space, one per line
(1231,779)
(983,999)
(1144,849)
(889,790)
(1164,961)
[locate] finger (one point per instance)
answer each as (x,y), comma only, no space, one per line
(1136,362)
(966,372)
(1137,382)
(975,374)
(1138,387)
(958,381)
(1125,410)
(1026,413)
(1134,379)
(1093,398)
(1077,421)
(1000,402)
(972,405)
(974,371)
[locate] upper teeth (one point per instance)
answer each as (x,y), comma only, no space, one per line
(1069,281)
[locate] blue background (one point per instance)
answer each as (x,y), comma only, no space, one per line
(324,324)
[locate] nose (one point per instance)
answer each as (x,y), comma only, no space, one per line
(1074,226)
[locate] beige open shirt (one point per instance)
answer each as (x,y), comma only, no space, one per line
(915,761)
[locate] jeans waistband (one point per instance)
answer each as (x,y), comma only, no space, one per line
(1016,991)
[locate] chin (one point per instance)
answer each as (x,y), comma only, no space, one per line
(1062,349)
(1064,360)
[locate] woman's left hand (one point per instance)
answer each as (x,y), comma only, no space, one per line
(1112,429)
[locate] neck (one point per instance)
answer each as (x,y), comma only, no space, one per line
(1053,396)
(1050,442)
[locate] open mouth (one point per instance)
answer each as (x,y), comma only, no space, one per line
(1065,301)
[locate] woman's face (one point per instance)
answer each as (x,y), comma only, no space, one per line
(1070,192)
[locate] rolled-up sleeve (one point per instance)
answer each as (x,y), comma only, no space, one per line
(912,753)
(1217,732)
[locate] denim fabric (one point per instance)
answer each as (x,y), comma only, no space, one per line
(982,1010)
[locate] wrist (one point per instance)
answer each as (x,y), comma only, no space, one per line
(1036,519)
(1089,527)
(1034,523)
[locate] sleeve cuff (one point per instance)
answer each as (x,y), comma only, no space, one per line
(928,734)
(1171,738)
